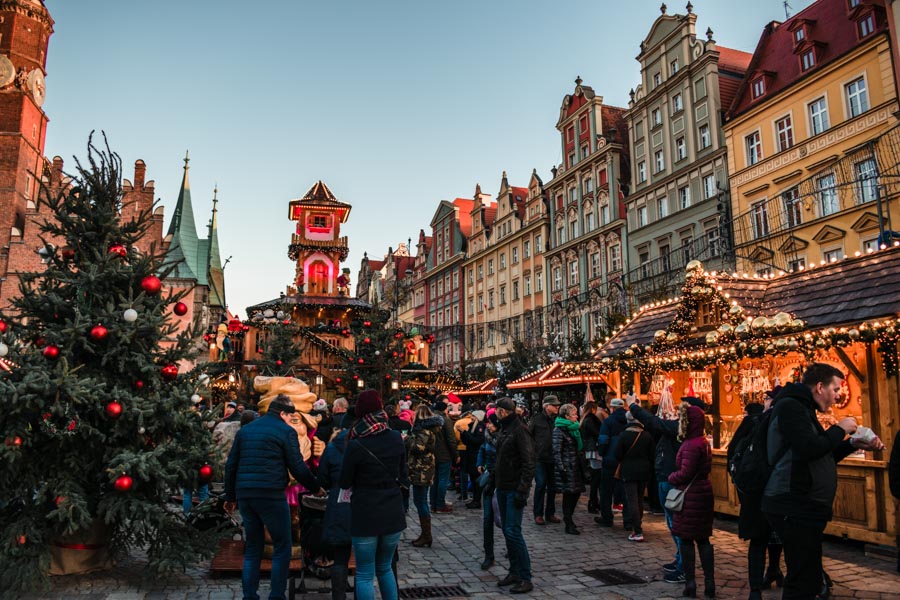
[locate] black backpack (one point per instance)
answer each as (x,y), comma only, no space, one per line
(749,463)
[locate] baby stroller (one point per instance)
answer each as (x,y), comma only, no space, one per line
(317,558)
(210,514)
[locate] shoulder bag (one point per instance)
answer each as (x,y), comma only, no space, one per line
(675,497)
(618,474)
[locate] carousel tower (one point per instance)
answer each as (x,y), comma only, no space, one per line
(317,246)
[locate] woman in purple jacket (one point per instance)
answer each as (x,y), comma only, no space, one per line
(693,524)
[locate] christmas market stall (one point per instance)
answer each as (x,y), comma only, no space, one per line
(729,338)
(479,388)
(561,376)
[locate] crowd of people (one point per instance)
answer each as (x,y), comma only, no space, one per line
(380,459)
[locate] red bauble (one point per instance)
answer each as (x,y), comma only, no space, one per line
(151,284)
(180,309)
(337,379)
(286,322)
(118,249)
(40,342)
(205,473)
(396,355)
(14,441)
(278,362)
(356,377)
(68,253)
(360,361)
(246,328)
(21,539)
(59,500)
(3,326)
(367,323)
(345,332)
(387,376)
(407,397)
(99,333)
(169,372)
(123,483)
(114,410)
(138,385)
(366,341)
(51,352)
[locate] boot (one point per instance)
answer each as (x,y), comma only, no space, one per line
(424,538)
(570,527)
(773,573)
(688,564)
(338,582)
(708,560)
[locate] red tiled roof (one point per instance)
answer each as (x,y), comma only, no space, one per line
(733,60)
(490,215)
(520,197)
(374,265)
(732,67)
(614,117)
(828,24)
(465,216)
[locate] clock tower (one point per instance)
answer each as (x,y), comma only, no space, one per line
(25,29)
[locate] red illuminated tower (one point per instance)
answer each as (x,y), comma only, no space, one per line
(317,245)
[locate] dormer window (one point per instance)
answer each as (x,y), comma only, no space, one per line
(854,3)
(759,87)
(866,25)
(799,36)
(808,60)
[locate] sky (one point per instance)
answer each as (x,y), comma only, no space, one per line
(394,104)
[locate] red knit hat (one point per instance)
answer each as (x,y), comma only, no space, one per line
(369,401)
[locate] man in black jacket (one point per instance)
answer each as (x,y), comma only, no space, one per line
(541,429)
(612,426)
(513,472)
(800,493)
(446,454)
(256,475)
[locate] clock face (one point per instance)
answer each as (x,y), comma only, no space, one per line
(36,85)
(7,71)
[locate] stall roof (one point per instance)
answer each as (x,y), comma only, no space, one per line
(847,291)
(483,388)
(535,378)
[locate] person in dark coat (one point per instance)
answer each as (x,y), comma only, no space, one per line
(568,462)
(473,437)
(590,431)
(336,525)
(634,452)
(610,429)
(541,429)
(485,463)
(395,422)
(256,475)
(420,463)
(693,523)
(373,473)
(446,454)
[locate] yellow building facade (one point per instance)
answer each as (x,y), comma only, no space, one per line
(812,149)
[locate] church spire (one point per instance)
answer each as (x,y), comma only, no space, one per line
(216,274)
(183,231)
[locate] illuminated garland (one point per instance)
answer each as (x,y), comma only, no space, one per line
(295,249)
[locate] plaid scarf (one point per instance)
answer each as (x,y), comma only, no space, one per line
(371,424)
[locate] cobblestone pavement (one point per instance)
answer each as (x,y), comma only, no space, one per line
(559,562)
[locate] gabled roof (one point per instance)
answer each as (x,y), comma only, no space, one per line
(320,196)
(614,118)
(520,199)
(733,60)
(464,214)
(828,26)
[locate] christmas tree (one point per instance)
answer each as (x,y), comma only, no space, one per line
(280,350)
(380,350)
(96,418)
(578,349)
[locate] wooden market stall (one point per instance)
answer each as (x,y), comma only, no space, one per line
(560,375)
(729,338)
(479,388)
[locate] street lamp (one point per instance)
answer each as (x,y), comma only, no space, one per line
(360,383)
(395,385)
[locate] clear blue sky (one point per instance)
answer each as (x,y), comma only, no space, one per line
(396,105)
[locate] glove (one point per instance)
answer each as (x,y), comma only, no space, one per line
(520,500)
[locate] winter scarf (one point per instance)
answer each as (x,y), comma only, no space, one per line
(573,427)
(371,424)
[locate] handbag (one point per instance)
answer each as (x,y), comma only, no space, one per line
(675,497)
(484,479)
(495,508)
(618,473)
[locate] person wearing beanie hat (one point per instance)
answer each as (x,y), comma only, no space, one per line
(541,429)
(610,487)
(485,464)
(256,475)
(446,454)
(320,405)
(373,475)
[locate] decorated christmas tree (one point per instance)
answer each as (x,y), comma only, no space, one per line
(281,352)
(380,350)
(95,415)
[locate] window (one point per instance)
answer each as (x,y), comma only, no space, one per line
(673,67)
(471,306)
(799,35)
(866,26)
(490,266)
(320,221)
(753,145)
(660,161)
(641,216)
(526,248)
(664,257)
(662,207)
(539,281)
(515,255)
(705,140)
(503,260)
(572,196)
(709,186)
(490,340)
(657,79)
(571,158)
(433,290)
(480,271)
(560,234)
(528,285)
(857,98)
(687,249)
(480,302)
(713,242)
(833,255)
(644,259)
(588,185)
(604,214)
(573,229)
(680,149)
(502,294)
(818,116)
(642,171)
(677,103)
(759,219)
(869,246)
(684,197)
(615,257)
(471,276)
(440,288)
(866,181)
(793,208)
(656,117)
(828,199)
(759,87)
(585,150)
(797,264)
(557,279)
(595,265)
(808,60)
(785,132)
(490,298)
(573,272)
(589,222)
(538,244)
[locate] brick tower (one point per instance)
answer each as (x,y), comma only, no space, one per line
(25,29)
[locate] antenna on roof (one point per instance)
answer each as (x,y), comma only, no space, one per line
(787,8)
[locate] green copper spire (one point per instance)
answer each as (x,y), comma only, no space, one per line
(216,274)
(185,247)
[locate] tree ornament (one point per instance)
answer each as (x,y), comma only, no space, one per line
(114,410)
(169,372)
(151,284)
(119,250)
(3,326)
(278,363)
(59,500)
(366,340)
(142,430)
(195,399)
(367,323)
(361,361)
(387,376)
(337,379)
(14,441)
(356,377)
(203,379)
(123,483)
(99,333)
(205,473)
(51,352)
(130,315)
(40,341)
(139,385)
(286,322)
(4,349)
(68,253)
(21,540)
(180,309)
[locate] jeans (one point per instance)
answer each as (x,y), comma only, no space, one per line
(420,500)
(274,515)
(634,504)
(187,497)
(519,561)
(374,556)
(664,487)
(543,489)
(802,541)
(439,487)
(487,524)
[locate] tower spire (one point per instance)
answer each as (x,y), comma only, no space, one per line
(184,245)
(216,275)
